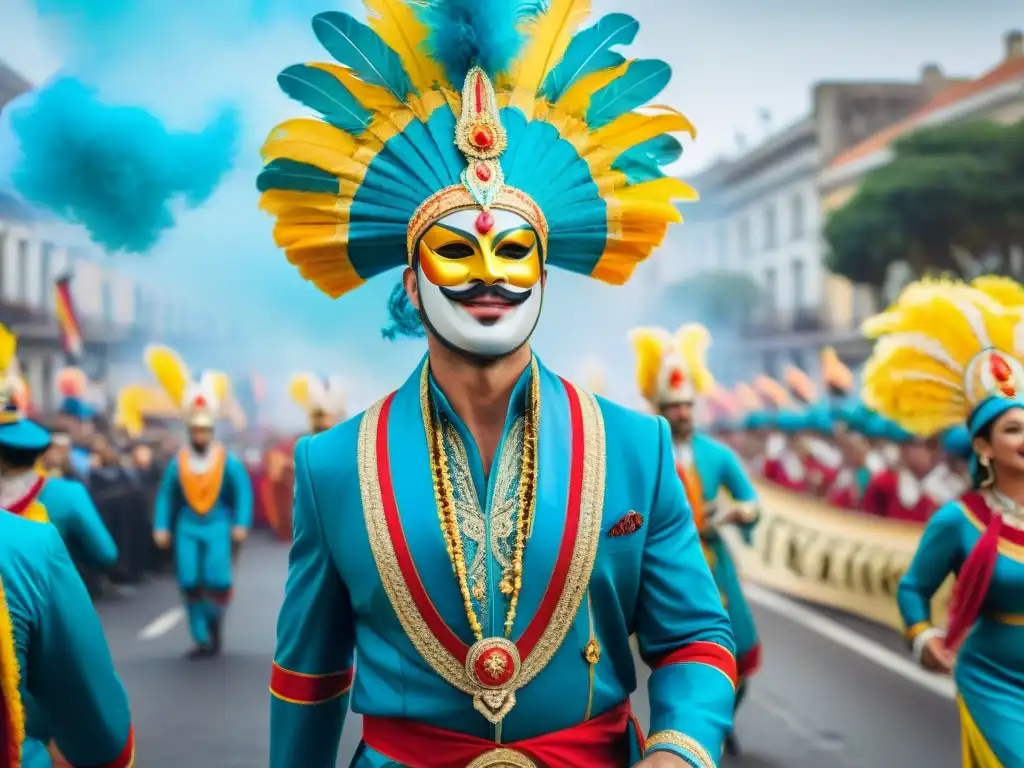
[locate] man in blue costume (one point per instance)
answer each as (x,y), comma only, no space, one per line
(205,498)
(672,375)
(486,539)
(56,676)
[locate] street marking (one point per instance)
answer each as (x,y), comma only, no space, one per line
(162,624)
(852,641)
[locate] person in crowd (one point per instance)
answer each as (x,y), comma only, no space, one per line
(76,417)
(56,461)
(324,405)
(672,375)
(951,356)
(467,201)
(120,505)
(903,490)
(207,493)
(147,475)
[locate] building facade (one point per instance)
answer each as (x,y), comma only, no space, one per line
(761,214)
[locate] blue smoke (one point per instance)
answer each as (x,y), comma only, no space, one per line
(117,171)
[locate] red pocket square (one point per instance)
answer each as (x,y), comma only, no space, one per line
(631,522)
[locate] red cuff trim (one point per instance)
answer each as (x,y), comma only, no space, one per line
(127,757)
(711,654)
(297,688)
(219,597)
(749,662)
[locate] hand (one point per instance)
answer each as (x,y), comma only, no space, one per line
(662,759)
(936,657)
(239,534)
(732,517)
(162,539)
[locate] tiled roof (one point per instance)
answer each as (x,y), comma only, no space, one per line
(1007,71)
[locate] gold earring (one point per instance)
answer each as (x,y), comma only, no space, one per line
(990,475)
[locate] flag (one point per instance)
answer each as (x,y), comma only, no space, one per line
(67,319)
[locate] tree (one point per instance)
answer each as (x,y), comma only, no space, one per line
(951,196)
(723,299)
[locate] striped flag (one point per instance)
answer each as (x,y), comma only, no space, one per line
(67,319)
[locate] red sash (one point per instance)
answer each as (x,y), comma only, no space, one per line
(25,501)
(601,742)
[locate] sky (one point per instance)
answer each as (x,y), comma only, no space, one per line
(732,61)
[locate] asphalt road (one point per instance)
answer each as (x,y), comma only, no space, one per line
(831,694)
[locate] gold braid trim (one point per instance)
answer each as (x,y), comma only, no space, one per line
(10,679)
(677,739)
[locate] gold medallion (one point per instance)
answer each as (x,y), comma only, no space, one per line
(493,664)
(502,758)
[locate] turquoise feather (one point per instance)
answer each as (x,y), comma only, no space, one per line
(476,33)
(321,91)
(359,48)
(293,176)
(637,171)
(590,51)
(661,150)
(643,81)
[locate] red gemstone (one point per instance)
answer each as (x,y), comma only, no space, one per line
(482,137)
(484,222)
(494,667)
(676,379)
(483,172)
(200,402)
(1000,368)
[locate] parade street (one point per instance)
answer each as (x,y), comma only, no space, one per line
(832,692)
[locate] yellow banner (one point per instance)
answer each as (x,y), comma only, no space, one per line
(842,559)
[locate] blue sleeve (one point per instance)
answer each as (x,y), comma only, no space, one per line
(312,670)
(71,674)
(939,553)
(166,497)
(89,528)
(241,487)
(683,630)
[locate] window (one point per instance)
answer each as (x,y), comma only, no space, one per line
(46,276)
(770,228)
(770,287)
(796,217)
(22,297)
(799,289)
(743,239)
(722,246)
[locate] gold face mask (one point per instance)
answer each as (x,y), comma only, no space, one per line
(509,253)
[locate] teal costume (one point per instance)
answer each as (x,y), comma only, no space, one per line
(71,511)
(202,538)
(636,567)
(51,637)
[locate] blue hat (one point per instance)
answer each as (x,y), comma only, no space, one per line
(875,427)
(78,409)
(756,420)
(957,442)
(897,434)
(819,419)
(791,422)
(20,433)
(984,414)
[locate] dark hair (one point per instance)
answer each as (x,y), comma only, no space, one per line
(21,458)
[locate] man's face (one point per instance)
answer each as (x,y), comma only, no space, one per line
(480,281)
(200,437)
(319,422)
(680,418)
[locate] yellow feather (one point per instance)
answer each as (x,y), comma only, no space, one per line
(773,392)
(625,132)
(800,384)
(398,26)
(1005,290)
(221,385)
(659,192)
(576,99)
(650,345)
(169,370)
(316,143)
(299,389)
(692,341)
(8,348)
(375,98)
(129,409)
(548,37)
(746,397)
(833,371)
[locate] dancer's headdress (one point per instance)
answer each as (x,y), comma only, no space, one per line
(838,378)
(671,367)
(16,430)
(317,396)
(201,401)
(439,106)
(772,392)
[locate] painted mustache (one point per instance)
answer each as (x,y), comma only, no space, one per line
(479,291)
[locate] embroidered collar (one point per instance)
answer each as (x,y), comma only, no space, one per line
(684,453)
(1001,504)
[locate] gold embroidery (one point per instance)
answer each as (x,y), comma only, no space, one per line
(677,739)
(1006,548)
(502,758)
(581,565)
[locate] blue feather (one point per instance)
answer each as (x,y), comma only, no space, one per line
(661,150)
(590,51)
(321,91)
(644,80)
(637,170)
(405,320)
(476,33)
(359,48)
(293,176)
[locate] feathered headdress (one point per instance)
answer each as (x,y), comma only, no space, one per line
(202,401)
(315,395)
(771,391)
(1005,290)
(438,106)
(837,377)
(942,353)
(671,368)
(746,398)
(800,385)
